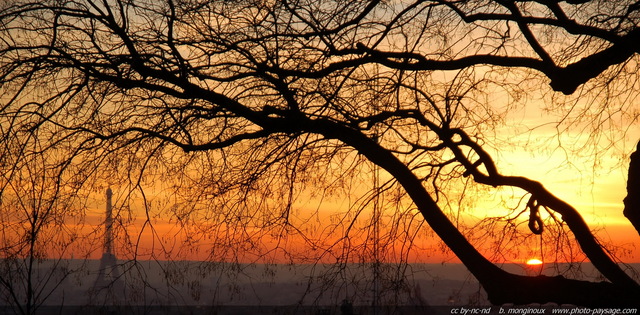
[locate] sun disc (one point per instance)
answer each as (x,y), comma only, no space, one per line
(534,261)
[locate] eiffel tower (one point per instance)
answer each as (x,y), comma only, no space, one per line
(108,283)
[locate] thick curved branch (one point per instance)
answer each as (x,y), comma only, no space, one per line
(569,78)
(524,289)
(570,215)
(412,61)
(563,79)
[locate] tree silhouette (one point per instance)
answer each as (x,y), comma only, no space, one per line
(248,101)
(41,224)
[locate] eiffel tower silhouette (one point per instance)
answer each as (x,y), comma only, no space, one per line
(108,285)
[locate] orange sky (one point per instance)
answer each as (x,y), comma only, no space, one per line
(596,194)
(596,191)
(595,186)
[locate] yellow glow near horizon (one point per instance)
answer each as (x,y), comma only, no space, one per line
(534,262)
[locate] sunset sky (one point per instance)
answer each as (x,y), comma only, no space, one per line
(577,146)
(596,191)
(360,142)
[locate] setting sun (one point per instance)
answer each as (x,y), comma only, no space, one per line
(534,261)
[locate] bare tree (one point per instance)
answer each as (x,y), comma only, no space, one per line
(41,225)
(248,102)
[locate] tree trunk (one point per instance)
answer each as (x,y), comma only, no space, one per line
(632,201)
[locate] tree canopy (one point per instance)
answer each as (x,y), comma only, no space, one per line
(241,106)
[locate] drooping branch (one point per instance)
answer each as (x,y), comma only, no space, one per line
(539,289)
(543,197)
(455,139)
(523,289)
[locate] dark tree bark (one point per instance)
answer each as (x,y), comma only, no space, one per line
(632,201)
